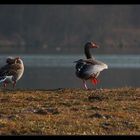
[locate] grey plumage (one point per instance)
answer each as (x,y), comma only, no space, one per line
(83,69)
(89,68)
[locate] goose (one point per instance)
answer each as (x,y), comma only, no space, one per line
(90,68)
(12,71)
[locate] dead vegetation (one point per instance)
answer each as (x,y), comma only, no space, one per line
(70,112)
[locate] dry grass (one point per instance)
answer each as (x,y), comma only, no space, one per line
(70,112)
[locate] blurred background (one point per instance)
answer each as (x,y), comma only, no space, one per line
(50,37)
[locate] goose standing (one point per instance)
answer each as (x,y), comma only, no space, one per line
(90,68)
(12,71)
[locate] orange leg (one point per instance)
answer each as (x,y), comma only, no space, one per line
(95,81)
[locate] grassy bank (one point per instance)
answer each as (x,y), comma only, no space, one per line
(70,112)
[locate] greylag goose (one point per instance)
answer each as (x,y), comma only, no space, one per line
(12,71)
(90,68)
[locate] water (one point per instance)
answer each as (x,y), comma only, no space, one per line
(57,71)
(113,61)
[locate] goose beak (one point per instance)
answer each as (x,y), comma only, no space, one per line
(97,46)
(94,45)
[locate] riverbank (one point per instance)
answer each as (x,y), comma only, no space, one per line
(70,112)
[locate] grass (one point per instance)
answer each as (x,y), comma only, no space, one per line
(70,112)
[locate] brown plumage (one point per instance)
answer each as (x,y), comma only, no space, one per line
(12,71)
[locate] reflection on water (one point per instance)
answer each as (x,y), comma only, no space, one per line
(57,71)
(113,61)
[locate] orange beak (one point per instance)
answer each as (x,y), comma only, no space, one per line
(94,45)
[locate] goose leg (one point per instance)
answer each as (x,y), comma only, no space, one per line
(85,85)
(4,85)
(14,84)
(95,81)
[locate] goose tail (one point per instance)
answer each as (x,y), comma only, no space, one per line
(4,78)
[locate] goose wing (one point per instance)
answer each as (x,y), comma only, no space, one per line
(89,67)
(97,65)
(8,70)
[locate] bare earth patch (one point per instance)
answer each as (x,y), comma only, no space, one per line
(70,112)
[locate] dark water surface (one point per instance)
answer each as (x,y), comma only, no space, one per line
(52,78)
(58,71)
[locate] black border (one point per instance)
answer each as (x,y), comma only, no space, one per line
(69,2)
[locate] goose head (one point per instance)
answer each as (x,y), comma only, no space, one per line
(91,45)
